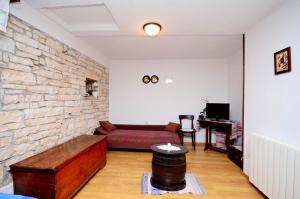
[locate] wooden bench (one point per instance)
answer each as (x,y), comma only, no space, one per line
(61,171)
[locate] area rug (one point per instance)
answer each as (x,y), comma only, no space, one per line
(193,186)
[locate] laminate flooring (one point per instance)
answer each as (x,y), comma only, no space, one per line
(121,177)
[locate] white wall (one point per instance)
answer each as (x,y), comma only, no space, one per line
(25,12)
(272,102)
(235,85)
(133,102)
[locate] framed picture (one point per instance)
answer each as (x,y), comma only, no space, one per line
(282,61)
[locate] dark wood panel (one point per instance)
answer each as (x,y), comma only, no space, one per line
(72,177)
(40,185)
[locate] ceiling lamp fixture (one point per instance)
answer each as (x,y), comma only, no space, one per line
(152,29)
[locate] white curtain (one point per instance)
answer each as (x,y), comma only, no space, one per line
(4,10)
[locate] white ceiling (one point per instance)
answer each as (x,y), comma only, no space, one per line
(191,29)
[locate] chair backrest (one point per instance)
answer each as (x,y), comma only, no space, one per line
(186,118)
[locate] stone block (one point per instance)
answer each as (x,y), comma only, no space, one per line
(17,22)
(55,65)
(10,99)
(68,91)
(57,83)
(42,80)
(29,34)
(42,112)
(5,141)
(42,61)
(17,106)
(36,128)
(34,105)
(11,126)
(51,104)
(69,97)
(53,44)
(52,97)
(9,33)
(6,153)
(28,49)
(7,44)
(48,74)
(31,98)
(27,55)
(5,57)
(39,33)
(14,66)
(20,60)
(7,117)
(13,92)
(72,103)
(44,48)
(17,77)
(42,89)
(24,148)
(42,134)
(68,59)
(15,28)
(26,40)
(40,121)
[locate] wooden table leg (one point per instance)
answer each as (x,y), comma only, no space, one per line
(209,138)
(206,138)
(227,138)
(194,140)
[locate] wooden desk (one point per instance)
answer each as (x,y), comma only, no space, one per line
(224,126)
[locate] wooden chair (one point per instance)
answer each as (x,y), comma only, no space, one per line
(188,131)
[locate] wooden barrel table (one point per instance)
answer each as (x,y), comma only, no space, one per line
(168,168)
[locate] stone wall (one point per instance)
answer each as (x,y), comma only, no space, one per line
(42,92)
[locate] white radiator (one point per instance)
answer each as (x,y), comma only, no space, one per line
(274,168)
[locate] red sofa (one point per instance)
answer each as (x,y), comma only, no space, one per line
(138,136)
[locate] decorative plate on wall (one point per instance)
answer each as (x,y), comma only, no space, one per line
(146,79)
(154,79)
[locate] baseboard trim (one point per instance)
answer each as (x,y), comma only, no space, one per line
(8,189)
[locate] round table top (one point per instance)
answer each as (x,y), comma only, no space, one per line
(182,150)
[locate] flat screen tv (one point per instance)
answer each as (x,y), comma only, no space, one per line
(217,111)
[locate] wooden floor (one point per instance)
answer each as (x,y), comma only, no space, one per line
(121,177)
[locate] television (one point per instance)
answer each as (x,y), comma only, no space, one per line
(217,111)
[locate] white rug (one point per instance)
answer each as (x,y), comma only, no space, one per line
(193,186)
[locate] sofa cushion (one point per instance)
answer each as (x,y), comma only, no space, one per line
(106,125)
(172,127)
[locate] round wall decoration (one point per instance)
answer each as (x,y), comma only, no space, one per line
(154,79)
(146,79)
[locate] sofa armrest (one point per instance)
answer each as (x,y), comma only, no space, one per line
(101,131)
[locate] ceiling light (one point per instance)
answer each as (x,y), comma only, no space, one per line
(152,29)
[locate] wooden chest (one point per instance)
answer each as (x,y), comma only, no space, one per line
(61,171)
